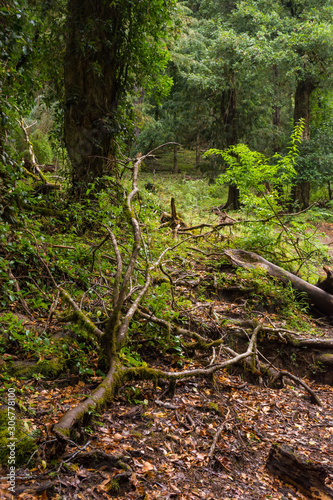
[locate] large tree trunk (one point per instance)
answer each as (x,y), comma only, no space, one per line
(276,108)
(307,476)
(92,83)
(301,191)
(175,161)
(197,150)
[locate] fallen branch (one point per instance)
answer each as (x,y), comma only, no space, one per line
(284,373)
(217,435)
(250,260)
(275,374)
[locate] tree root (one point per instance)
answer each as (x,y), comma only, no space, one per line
(117,375)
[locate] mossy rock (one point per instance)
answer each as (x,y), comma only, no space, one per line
(15,446)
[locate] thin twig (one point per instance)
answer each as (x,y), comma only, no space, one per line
(217,435)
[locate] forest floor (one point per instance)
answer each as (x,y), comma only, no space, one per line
(166,441)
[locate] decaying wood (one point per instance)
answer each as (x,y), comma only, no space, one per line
(327,283)
(250,260)
(172,220)
(308,477)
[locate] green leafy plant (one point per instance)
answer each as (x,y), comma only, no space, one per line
(17,336)
(251,172)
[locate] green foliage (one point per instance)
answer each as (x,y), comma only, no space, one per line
(17,337)
(265,293)
(130,357)
(250,171)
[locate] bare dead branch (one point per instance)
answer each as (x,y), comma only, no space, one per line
(83,319)
(284,373)
(217,435)
(119,266)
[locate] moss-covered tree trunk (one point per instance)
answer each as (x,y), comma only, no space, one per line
(93,77)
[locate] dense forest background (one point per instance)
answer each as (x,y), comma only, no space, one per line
(166,222)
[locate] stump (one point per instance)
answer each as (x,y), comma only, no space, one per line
(306,476)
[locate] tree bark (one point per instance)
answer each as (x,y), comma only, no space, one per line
(233,198)
(301,191)
(276,109)
(230,128)
(306,476)
(175,162)
(93,79)
(197,150)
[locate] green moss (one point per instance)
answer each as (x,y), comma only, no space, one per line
(114,486)
(49,368)
(15,446)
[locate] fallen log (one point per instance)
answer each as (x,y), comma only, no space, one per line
(306,476)
(250,260)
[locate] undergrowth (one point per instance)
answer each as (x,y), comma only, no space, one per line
(55,242)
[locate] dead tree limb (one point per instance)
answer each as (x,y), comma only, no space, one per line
(33,158)
(284,373)
(217,435)
(275,374)
(250,260)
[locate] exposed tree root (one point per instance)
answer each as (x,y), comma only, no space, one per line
(117,375)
